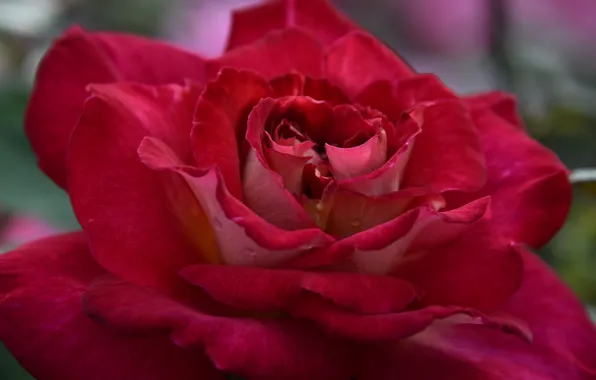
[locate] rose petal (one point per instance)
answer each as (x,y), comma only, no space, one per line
(296,84)
(78,58)
(288,162)
(253,349)
(544,301)
(187,209)
(243,237)
(264,290)
(563,345)
(377,251)
(268,193)
(43,325)
(523,177)
(220,122)
(447,153)
(264,190)
(501,103)
(318,17)
(350,212)
(356,161)
(119,202)
(477,270)
(344,248)
(390,326)
(358,59)
(388,178)
(276,54)
(393,98)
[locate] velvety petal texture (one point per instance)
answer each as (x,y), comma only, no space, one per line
(317,17)
(43,324)
(121,204)
(79,58)
(305,207)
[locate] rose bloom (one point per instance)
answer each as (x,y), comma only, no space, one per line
(305,206)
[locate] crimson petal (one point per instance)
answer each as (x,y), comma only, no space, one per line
(276,54)
(563,345)
(220,122)
(79,58)
(523,176)
(266,290)
(119,202)
(318,17)
(358,59)
(266,349)
(43,324)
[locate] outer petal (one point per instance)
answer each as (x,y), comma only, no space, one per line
(268,349)
(276,54)
(563,347)
(42,321)
(393,326)
(501,103)
(544,301)
(522,175)
(274,290)
(318,17)
(119,202)
(358,59)
(477,270)
(79,58)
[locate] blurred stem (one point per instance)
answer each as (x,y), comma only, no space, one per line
(498,44)
(583,175)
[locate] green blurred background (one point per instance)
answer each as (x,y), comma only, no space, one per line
(544,55)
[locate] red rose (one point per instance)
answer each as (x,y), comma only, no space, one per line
(304,207)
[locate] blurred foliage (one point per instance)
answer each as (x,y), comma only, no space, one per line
(556,99)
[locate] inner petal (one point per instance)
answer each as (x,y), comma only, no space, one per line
(359,160)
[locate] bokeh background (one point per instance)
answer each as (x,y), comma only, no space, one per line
(542,50)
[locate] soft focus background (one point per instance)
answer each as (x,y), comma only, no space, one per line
(542,50)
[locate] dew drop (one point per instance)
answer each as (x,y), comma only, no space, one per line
(356,222)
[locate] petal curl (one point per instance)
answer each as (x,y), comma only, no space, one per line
(79,58)
(43,324)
